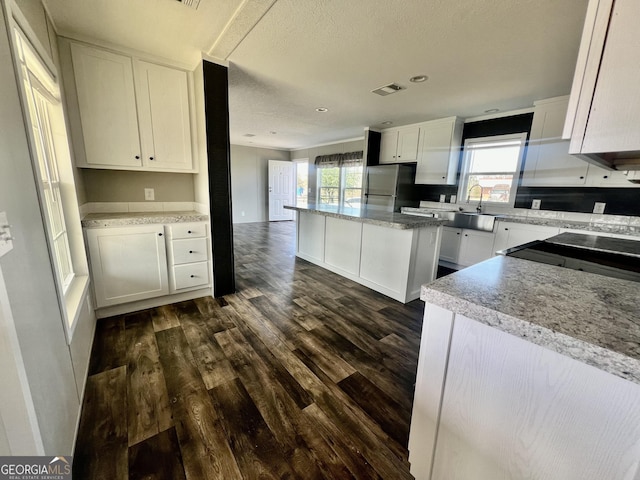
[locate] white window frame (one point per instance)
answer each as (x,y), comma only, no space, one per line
(36,72)
(341,184)
(469,144)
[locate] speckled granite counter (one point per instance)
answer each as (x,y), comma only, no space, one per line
(94,220)
(588,317)
(631,229)
(383,219)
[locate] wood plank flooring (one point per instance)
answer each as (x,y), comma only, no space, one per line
(301,374)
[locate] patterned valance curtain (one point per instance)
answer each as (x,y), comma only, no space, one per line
(350,159)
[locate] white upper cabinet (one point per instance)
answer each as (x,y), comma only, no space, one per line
(399,145)
(133,115)
(439,151)
(548,162)
(604,111)
(165,124)
(107,105)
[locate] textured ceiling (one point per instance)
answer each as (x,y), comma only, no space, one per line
(289,57)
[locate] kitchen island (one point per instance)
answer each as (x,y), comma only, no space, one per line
(388,252)
(527,370)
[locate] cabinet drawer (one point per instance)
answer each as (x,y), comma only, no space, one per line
(190,275)
(188,230)
(189,250)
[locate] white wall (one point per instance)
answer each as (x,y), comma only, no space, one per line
(29,277)
(249,182)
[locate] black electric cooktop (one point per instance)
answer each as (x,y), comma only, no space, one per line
(612,257)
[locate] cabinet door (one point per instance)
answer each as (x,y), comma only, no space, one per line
(548,161)
(165,124)
(475,247)
(407,150)
(107,104)
(513,234)
(512,409)
(600,177)
(439,152)
(388,146)
(615,109)
(128,263)
(450,245)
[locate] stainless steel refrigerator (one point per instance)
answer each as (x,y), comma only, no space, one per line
(389,187)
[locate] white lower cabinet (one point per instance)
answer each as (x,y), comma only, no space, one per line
(465,247)
(188,256)
(512,409)
(450,247)
(513,234)
(392,261)
(128,263)
(475,247)
(140,262)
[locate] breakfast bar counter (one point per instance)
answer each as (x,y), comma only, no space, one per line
(390,253)
(527,370)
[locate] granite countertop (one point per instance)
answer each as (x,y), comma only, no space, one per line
(93,220)
(594,226)
(630,248)
(383,219)
(588,317)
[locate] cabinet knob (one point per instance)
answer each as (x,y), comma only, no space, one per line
(150,158)
(189,231)
(506,229)
(457,233)
(190,251)
(192,276)
(159,234)
(605,176)
(443,178)
(466,234)
(137,157)
(581,177)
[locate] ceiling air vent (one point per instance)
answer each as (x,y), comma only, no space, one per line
(388,89)
(190,3)
(249,135)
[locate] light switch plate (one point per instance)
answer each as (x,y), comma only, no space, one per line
(535,204)
(6,242)
(149,194)
(598,207)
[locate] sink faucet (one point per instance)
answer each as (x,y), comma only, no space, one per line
(479,207)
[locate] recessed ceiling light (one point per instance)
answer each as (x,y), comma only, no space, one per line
(386,123)
(322,109)
(492,110)
(249,135)
(418,79)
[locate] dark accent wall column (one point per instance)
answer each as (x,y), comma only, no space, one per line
(216,107)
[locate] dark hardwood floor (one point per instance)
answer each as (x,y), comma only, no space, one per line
(300,374)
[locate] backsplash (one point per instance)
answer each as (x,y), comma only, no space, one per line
(124,207)
(620,201)
(606,219)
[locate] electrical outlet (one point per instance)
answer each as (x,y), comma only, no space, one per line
(535,204)
(598,207)
(453,199)
(149,194)
(442,198)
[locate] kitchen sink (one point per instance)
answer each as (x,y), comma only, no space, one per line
(473,221)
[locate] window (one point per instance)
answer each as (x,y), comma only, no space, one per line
(302,182)
(491,168)
(339,180)
(53,169)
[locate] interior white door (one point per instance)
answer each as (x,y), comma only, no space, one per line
(281,189)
